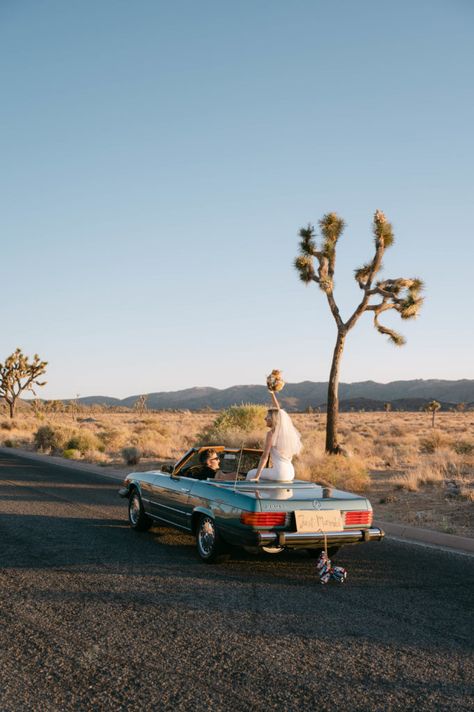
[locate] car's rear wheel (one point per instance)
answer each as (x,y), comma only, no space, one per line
(208,542)
(332,551)
(256,550)
(136,514)
(272,549)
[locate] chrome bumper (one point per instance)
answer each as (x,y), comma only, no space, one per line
(314,539)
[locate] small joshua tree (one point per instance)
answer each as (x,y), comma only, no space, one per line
(19,374)
(400,294)
(432,407)
(140,404)
(387,407)
(73,407)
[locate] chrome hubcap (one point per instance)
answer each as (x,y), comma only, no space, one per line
(134,509)
(207,536)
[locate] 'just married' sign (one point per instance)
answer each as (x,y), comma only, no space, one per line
(325,521)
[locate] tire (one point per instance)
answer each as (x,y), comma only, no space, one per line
(136,514)
(208,542)
(273,549)
(332,551)
(257,550)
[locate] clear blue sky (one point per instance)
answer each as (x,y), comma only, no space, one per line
(158,158)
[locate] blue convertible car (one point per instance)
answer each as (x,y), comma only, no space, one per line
(264,515)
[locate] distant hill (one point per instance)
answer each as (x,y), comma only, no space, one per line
(366,395)
(98,400)
(369,404)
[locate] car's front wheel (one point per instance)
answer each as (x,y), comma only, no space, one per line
(136,514)
(208,541)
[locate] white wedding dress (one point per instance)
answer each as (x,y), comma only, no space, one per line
(282,470)
(286,444)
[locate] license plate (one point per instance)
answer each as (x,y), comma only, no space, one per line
(321,521)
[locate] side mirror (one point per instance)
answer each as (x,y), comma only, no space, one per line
(167,468)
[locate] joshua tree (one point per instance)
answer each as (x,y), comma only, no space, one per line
(432,407)
(400,294)
(73,407)
(387,407)
(140,404)
(19,374)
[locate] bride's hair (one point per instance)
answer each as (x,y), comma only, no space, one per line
(273,413)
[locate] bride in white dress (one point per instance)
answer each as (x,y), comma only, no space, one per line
(281,444)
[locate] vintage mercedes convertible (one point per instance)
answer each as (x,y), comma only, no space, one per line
(264,515)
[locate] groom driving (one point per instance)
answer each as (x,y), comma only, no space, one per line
(210,466)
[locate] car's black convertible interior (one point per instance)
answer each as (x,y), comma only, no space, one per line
(233,462)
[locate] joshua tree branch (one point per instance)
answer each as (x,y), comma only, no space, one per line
(335,311)
(374,268)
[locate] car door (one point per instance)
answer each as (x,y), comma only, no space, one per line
(169,499)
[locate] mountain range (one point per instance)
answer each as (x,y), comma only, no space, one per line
(363,395)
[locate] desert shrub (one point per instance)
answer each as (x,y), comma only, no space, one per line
(432,472)
(9,443)
(446,462)
(50,439)
(432,442)
(152,424)
(241,417)
(408,482)
(151,442)
(235,425)
(83,441)
(114,438)
(463,447)
(96,456)
(7,425)
(348,473)
(72,454)
(358,444)
(131,455)
(396,431)
(467,493)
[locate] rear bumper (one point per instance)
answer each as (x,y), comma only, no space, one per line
(294,540)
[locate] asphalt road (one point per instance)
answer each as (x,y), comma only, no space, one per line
(95,616)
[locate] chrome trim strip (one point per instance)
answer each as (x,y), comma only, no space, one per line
(174,524)
(166,506)
(301,538)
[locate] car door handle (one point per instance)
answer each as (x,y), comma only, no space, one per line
(185,489)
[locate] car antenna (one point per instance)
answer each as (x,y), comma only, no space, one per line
(238,465)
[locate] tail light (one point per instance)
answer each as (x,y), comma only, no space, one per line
(364,517)
(263,519)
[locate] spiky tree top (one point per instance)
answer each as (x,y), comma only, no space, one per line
(432,406)
(317,264)
(19,374)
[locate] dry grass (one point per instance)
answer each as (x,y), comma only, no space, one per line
(348,473)
(101,437)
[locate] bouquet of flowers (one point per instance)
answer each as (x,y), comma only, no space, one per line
(275,381)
